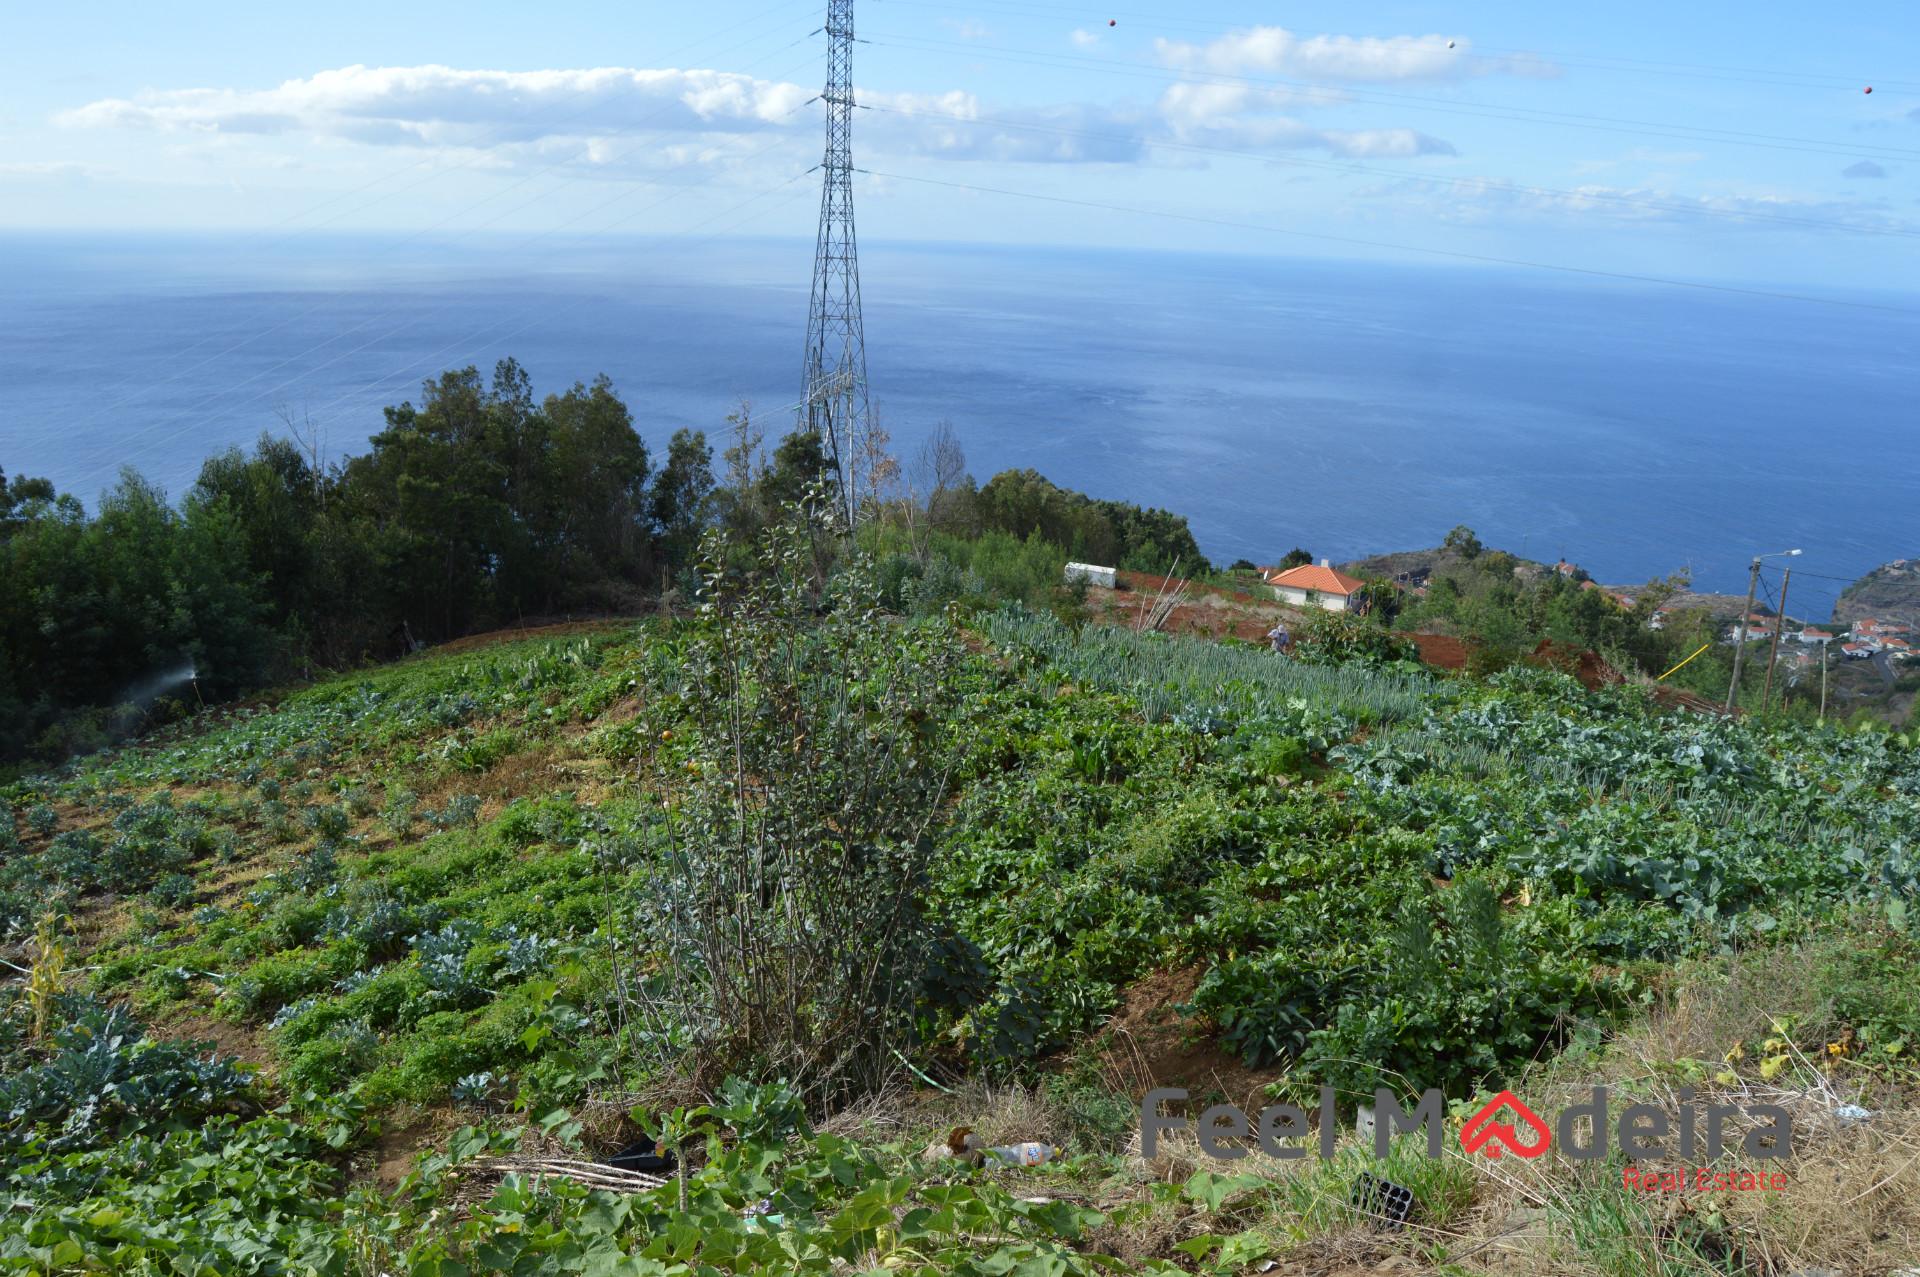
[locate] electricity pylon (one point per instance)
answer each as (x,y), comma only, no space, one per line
(835,405)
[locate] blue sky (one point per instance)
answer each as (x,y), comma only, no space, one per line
(1705,140)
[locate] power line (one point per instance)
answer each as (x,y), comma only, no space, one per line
(1771,76)
(255,335)
(1488,258)
(126,458)
(391,309)
(265,234)
(1848,580)
(1776,77)
(379,386)
(1450,106)
(1404,175)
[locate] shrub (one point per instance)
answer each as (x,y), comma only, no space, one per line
(792,941)
(1343,638)
(105,1077)
(313,871)
(398,815)
(172,891)
(329,823)
(461,810)
(443,964)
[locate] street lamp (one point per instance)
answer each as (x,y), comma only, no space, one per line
(1740,630)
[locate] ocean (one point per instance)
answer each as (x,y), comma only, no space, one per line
(1345,407)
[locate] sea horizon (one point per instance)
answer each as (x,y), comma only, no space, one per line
(1349,407)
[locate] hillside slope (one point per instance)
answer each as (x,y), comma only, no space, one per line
(1890,592)
(436,895)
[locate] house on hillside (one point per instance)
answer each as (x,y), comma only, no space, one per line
(1868,629)
(1813,634)
(1318,585)
(1856,651)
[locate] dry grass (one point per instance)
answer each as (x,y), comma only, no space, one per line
(1852,1200)
(1851,1203)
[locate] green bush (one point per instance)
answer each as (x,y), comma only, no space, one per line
(104,1078)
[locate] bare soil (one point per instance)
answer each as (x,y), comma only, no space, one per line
(537,630)
(1151,1042)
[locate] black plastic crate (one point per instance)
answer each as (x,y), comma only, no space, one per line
(1384,1202)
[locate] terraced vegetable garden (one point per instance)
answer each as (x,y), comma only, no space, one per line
(417,907)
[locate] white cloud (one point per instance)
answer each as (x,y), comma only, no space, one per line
(1192,104)
(442,106)
(1481,199)
(966,28)
(1241,116)
(1642,157)
(60,170)
(1084,38)
(621,122)
(944,125)
(1360,59)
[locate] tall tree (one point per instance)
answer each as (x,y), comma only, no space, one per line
(592,518)
(275,499)
(681,497)
(433,494)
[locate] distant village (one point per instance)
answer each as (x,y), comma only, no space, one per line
(1801,644)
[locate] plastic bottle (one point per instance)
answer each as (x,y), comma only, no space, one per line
(1029,1154)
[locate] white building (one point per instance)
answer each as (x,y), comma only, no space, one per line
(1317,585)
(1091,573)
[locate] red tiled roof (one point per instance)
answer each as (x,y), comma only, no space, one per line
(1311,576)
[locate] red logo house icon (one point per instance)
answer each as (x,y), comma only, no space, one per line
(1494,1138)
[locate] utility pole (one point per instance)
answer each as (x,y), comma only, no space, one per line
(834,406)
(1773,649)
(1823,678)
(1740,629)
(1740,634)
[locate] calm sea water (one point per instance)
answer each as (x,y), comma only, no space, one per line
(1348,408)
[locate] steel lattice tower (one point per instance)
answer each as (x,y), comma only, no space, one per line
(835,405)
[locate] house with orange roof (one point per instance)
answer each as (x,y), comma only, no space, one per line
(1318,585)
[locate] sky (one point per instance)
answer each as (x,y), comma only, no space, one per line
(1707,140)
